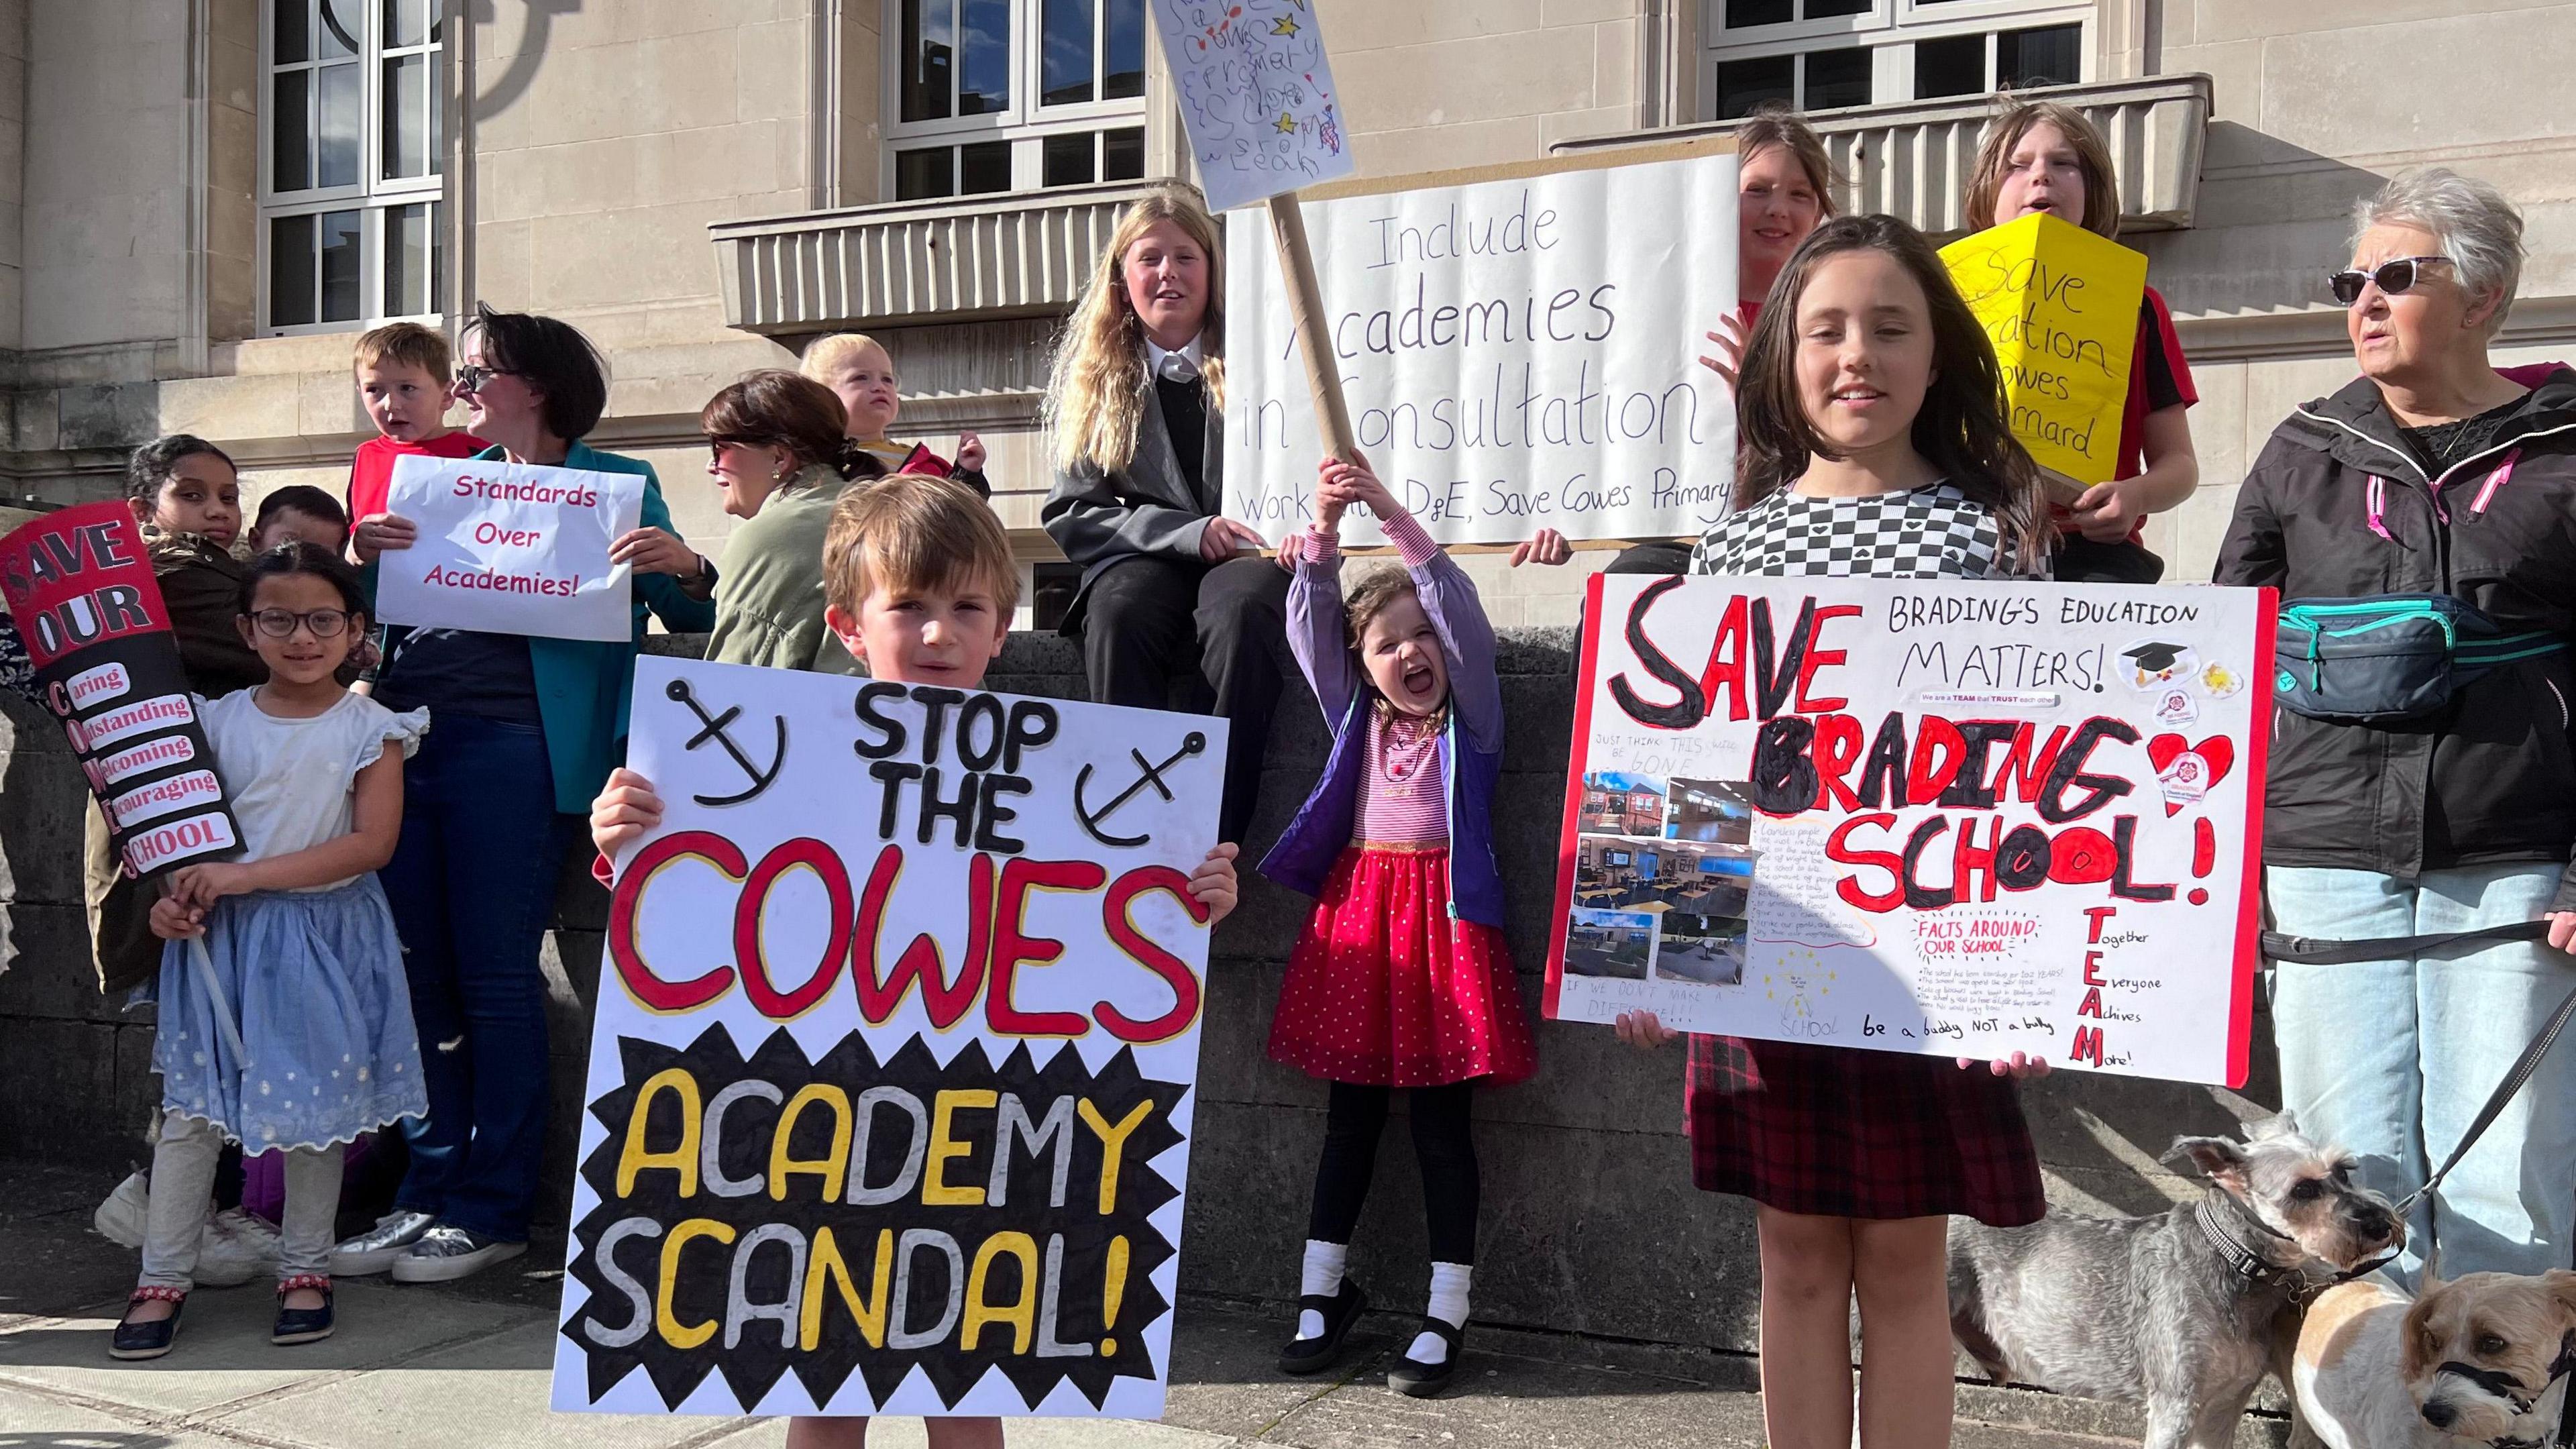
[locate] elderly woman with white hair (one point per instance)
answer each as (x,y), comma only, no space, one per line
(2433,499)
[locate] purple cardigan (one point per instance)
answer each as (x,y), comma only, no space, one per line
(1471,748)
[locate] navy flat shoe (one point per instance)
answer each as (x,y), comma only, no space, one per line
(149,1340)
(302,1325)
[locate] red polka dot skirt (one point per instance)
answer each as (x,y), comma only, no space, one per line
(1385,989)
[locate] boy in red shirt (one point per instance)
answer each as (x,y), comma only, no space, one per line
(404,379)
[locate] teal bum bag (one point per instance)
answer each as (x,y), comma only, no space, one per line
(2388,657)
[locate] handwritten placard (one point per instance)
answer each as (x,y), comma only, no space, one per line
(2062,307)
(1959,819)
(1257,96)
(1517,351)
(511,548)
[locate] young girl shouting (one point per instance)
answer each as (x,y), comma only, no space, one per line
(1401,978)
(1874,446)
(284,1018)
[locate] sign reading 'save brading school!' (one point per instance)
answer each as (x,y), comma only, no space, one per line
(890,1090)
(1958,819)
(1518,346)
(510,548)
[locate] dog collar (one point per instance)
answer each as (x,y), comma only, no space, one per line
(2511,1389)
(2222,1233)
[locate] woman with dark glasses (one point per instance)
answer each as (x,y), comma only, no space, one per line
(2433,498)
(777,450)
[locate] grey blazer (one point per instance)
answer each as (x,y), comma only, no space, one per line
(1146,508)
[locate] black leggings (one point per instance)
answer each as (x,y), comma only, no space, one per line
(1443,1143)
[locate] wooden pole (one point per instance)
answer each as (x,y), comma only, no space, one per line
(1314,338)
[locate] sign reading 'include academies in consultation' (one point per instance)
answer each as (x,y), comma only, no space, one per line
(511,548)
(889,1103)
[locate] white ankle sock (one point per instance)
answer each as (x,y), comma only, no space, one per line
(1449,1305)
(1323,1274)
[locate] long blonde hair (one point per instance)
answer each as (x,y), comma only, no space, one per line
(1096,396)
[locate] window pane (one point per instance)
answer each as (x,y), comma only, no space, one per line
(1745,84)
(1837,78)
(342,21)
(436,299)
(437,112)
(1122,67)
(1741,13)
(984,58)
(2048,56)
(930,58)
(923,175)
(1817,9)
(406,103)
(340,265)
(338,133)
(984,167)
(1068,160)
(290,31)
(290,271)
(290,161)
(406,21)
(1122,155)
(406,261)
(1066,66)
(1953,67)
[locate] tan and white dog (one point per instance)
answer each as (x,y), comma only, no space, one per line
(2483,1359)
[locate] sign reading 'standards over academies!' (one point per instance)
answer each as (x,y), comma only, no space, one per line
(890,1091)
(511,548)
(1956,819)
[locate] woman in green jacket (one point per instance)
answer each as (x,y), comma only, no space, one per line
(523,731)
(780,460)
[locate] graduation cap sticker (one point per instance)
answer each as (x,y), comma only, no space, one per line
(2151,663)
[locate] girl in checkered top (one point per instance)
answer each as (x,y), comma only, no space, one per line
(1875,447)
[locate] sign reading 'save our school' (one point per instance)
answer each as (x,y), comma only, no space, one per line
(511,548)
(1958,819)
(890,1091)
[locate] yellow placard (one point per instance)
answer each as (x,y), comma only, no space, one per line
(2061,305)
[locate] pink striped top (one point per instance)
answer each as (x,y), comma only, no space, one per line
(1404,795)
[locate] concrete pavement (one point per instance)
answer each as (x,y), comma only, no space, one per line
(466,1364)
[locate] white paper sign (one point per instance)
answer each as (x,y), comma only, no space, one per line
(1938,817)
(1517,353)
(891,1083)
(510,548)
(1257,96)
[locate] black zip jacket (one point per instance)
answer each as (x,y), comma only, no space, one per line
(2491,777)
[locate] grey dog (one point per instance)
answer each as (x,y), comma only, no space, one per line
(2174,1311)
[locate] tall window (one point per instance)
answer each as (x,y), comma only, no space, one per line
(1821,55)
(352,162)
(1013,95)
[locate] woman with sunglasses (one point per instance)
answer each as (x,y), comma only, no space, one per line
(778,453)
(524,731)
(2431,476)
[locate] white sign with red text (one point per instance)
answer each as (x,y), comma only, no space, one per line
(511,548)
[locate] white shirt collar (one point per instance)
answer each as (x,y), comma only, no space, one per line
(1155,353)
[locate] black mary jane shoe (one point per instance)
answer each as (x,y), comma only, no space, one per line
(1420,1380)
(149,1340)
(1341,1310)
(302,1325)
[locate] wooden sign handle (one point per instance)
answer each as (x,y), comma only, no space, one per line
(1314,338)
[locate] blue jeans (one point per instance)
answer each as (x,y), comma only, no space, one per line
(472,887)
(2392,1059)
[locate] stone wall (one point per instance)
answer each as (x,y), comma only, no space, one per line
(1590,1222)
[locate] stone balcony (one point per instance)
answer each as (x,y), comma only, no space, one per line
(1912,158)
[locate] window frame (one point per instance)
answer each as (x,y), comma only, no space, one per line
(1889,31)
(374,196)
(1025,122)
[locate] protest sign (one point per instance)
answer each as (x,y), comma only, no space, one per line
(890,1090)
(1256,94)
(510,548)
(2061,305)
(80,587)
(1517,347)
(1958,819)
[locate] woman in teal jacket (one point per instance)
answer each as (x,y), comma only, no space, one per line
(523,732)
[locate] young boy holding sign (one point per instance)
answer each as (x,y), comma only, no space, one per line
(920,586)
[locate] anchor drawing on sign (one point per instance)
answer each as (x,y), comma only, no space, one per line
(714,729)
(1150,774)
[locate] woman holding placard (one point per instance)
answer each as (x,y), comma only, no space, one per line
(2041,156)
(523,732)
(2430,500)
(1784,186)
(1137,406)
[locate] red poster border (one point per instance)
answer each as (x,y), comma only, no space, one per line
(1577,751)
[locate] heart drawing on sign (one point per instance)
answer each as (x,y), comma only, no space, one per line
(2189,771)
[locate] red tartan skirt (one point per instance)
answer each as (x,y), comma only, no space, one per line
(1847,1133)
(1386,990)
